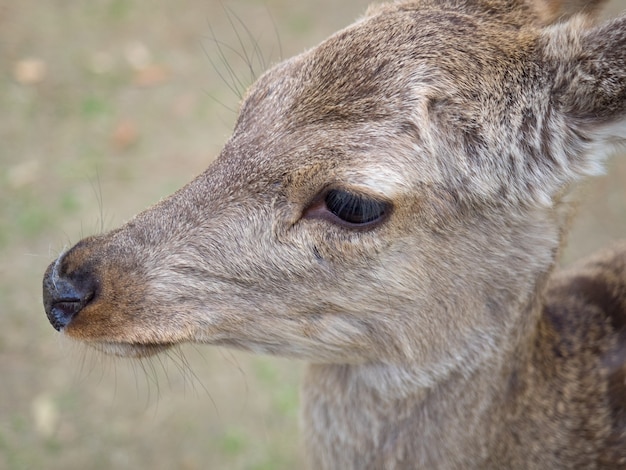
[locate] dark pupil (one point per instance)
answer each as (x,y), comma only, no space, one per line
(352,208)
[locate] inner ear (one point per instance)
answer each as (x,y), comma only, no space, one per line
(590,85)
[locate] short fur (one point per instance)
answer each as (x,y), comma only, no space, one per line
(438,336)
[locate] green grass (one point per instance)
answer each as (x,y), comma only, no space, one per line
(233,442)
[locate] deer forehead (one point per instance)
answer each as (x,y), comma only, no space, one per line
(370,70)
(401,94)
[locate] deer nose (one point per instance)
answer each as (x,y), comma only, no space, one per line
(64,296)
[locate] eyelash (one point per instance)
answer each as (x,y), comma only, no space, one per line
(348,209)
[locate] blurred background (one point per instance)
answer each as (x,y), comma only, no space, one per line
(107,106)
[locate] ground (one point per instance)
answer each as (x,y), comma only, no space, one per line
(105,107)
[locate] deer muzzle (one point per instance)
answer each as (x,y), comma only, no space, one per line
(66,294)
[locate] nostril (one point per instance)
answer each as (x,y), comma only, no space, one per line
(63,311)
(65,296)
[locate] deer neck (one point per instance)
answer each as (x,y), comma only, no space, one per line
(375,416)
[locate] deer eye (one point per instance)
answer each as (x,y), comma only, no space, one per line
(353,208)
(348,209)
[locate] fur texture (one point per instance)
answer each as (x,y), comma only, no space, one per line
(437,334)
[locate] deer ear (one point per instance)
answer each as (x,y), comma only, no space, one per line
(551,11)
(588,89)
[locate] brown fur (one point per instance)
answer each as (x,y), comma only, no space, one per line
(437,334)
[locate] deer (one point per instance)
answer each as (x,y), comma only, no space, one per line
(391,208)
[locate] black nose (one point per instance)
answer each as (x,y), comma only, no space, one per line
(65,295)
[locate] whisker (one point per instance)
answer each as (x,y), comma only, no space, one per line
(228,108)
(244,50)
(229,357)
(97,190)
(276,33)
(233,83)
(254,41)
